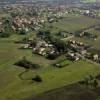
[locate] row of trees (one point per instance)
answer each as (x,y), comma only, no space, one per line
(90,82)
(27,64)
(4,34)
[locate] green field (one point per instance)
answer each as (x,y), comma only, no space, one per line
(13,88)
(74,22)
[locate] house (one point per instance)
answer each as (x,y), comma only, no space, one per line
(25,46)
(42,51)
(0,23)
(83,52)
(95,57)
(72,56)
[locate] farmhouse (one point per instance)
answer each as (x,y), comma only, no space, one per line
(83,52)
(0,23)
(72,56)
(26,46)
(95,57)
(76,45)
(88,35)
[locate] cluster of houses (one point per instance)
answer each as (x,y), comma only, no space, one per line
(73,56)
(80,51)
(33,17)
(77,46)
(24,23)
(27,17)
(77,50)
(43,48)
(93,57)
(88,35)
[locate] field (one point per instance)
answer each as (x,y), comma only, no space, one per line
(74,22)
(14,88)
(70,92)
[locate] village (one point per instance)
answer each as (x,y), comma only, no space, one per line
(24,19)
(52,48)
(46,46)
(25,22)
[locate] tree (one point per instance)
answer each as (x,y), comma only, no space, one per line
(4,34)
(22,32)
(95,83)
(27,64)
(34,42)
(25,39)
(14,14)
(60,45)
(91,77)
(52,56)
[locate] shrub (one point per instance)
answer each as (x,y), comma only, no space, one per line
(26,64)
(4,35)
(37,78)
(98,77)
(22,32)
(52,56)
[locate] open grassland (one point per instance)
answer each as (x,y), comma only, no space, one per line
(73,23)
(13,88)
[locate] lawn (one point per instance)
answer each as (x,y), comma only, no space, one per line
(13,88)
